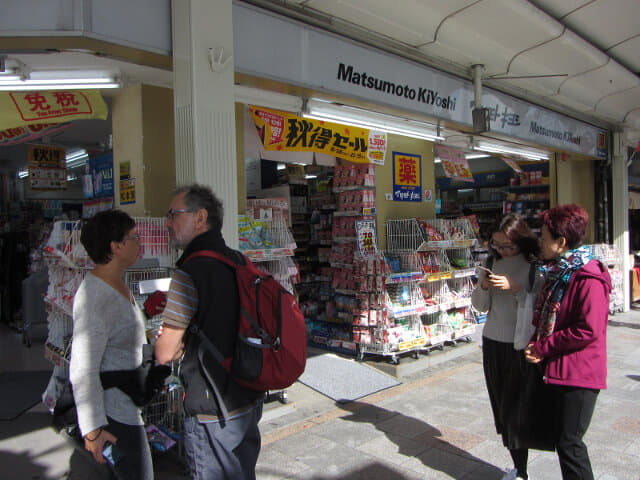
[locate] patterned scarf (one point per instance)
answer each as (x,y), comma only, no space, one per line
(557,275)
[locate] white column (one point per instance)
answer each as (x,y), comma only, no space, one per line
(620,208)
(204,102)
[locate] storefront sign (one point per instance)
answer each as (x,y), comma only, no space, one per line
(50,106)
(282,131)
(326,62)
(47,167)
(454,163)
(101,169)
(29,133)
(366,234)
(407,177)
(127,191)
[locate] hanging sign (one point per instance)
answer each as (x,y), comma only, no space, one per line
(50,106)
(454,163)
(127,191)
(29,133)
(101,169)
(282,131)
(513,164)
(366,234)
(407,177)
(47,167)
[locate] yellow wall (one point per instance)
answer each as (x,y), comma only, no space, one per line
(158,149)
(143,135)
(575,184)
(384,182)
(127,144)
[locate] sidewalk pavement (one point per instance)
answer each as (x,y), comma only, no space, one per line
(437,424)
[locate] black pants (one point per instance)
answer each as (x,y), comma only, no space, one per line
(572,414)
(136,461)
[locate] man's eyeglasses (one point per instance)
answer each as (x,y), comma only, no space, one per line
(135,237)
(497,246)
(172,213)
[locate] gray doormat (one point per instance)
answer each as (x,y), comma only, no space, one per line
(343,380)
(19,391)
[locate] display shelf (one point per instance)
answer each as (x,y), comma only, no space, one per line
(352,188)
(265,255)
(404,277)
(356,213)
(532,185)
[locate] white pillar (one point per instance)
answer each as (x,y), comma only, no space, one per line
(204,102)
(620,208)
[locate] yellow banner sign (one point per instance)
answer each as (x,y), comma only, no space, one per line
(47,167)
(284,131)
(50,106)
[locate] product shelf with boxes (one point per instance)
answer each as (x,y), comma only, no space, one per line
(68,264)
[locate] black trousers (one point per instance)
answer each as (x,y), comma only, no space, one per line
(573,410)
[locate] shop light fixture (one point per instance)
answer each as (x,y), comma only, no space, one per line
(359,117)
(267,99)
(23,173)
(471,156)
(282,166)
(76,158)
(307,176)
(58,80)
(529,154)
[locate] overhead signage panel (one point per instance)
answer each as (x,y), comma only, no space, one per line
(325,61)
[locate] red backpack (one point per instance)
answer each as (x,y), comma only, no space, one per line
(271,347)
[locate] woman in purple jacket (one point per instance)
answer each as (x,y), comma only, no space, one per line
(570,340)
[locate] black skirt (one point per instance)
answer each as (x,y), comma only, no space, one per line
(520,400)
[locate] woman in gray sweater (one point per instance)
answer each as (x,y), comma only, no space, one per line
(108,334)
(513,247)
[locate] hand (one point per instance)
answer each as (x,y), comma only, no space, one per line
(503,282)
(530,354)
(94,442)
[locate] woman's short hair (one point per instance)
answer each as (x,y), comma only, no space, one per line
(569,221)
(517,230)
(103,228)
(199,196)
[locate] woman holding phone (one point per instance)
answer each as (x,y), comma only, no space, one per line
(502,284)
(108,335)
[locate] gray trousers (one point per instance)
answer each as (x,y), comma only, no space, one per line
(223,451)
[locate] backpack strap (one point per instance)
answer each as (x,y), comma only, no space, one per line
(215,255)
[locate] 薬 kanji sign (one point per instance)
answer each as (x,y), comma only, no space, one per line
(407,177)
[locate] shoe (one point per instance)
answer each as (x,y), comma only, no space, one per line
(510,475)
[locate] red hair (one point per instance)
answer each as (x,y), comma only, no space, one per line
(568,221)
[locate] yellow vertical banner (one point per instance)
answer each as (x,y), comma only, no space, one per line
(287,132)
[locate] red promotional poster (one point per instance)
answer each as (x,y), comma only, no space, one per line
(454,163)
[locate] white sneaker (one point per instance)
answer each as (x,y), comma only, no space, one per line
(510,475)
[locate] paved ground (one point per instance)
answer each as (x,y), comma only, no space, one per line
(436,425)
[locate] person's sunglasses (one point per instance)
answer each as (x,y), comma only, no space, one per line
(172,213)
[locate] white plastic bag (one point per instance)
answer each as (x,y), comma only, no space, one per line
(524,326)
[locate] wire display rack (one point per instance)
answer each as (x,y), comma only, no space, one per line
(610,256)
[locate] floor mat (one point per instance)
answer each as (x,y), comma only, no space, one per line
(343,380)
(19,391)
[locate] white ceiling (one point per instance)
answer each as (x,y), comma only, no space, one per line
(581,55)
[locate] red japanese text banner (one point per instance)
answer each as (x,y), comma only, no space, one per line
(50,106)
(29,133)
(286,132)
(454,163)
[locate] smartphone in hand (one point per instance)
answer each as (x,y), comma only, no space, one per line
(111,453)
(488,271)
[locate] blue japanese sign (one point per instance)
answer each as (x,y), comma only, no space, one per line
(407,177)
(102,173)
